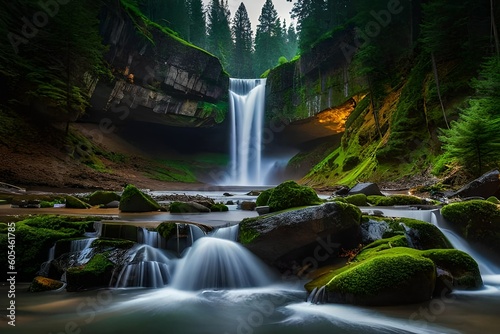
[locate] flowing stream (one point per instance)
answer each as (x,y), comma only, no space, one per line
(217,286)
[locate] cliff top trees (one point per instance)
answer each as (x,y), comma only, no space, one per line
(220,42)
(268,39)
(197,23)
(243,44)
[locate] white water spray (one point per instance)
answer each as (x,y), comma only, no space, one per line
(246,99)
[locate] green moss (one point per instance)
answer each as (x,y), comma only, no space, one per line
(219,207)
(289,194)
(493,200)
(263,198)
(394,200)
(476,220)
(247,234)
(75,203)
(134,200)
(167,229)
(102,197)
(461,265)
(358,199)
(39,233)
(377,246)
(96,273)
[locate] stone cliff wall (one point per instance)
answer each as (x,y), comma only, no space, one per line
(159,77)
(321,79)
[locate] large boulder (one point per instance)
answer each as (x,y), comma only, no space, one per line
(96,273)
(101,197)
(288,239)
(477,221)
(369,189)
(485,186)
(134,200)
(187,207)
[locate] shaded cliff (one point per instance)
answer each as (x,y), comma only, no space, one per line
(159,77)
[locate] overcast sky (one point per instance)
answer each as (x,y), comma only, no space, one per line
(254,7)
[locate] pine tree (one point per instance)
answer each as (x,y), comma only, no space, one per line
(267,39)
(473,140)
(197,23)
(291,44)
(219,34)
(243,44)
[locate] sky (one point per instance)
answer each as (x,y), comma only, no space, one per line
(254,8)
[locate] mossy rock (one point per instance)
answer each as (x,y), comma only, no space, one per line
(290,194)
(96,273)
(264,196)
(394,200)
(40,284)
(358,199)
(218,207)
(384,280)
(167,229)
(386,274)
(75,203)
(476,220)
(491,199)
(460,265)
(101,197)
(187,207)
(134,200)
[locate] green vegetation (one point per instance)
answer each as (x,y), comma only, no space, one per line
(263,198)
(219,207)
(134,200)
(112,243)
(167,229)
(476,220)
(394,200)
(289,194)
(41,233)
(96,273)
(75,203)
(358,199)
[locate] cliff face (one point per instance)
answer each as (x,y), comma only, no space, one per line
(158,77)
(320,80)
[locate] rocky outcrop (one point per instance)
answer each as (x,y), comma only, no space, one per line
(320,80)
(160,78)
(287,240)
(485,186)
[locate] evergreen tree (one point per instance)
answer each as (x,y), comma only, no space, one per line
(219,34)
(267,39)
(473,140)
(243,44)
(169,13)
(291,44)
(197,23)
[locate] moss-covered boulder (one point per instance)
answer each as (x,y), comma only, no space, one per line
(395,200)
(40,284)
(134,200)
(388,273)
(187,207)
(384,280)
(96,273)
(105,243)
(477,221)
(167,229)
(264,196)
(75,203)
(219,207)
(290,194)
(358,199)
(285,239)
(101,197)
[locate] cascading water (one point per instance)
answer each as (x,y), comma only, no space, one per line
(147,267)
(83,250)
(148,237)
(246,99)
(214,263)
(45,267)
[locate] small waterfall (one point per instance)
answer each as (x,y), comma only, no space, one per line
(146,267)
(214,263)
(97,230)
(228,233)
(246,99)
(318,296)
(147,237)
(83,249)
(45,267)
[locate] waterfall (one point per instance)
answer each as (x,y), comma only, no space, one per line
(83,249)
(214,263)
(146,267)
(147,237)
(45,267)
(246,99)
(228,233)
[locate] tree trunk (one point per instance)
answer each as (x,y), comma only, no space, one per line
(436,78)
